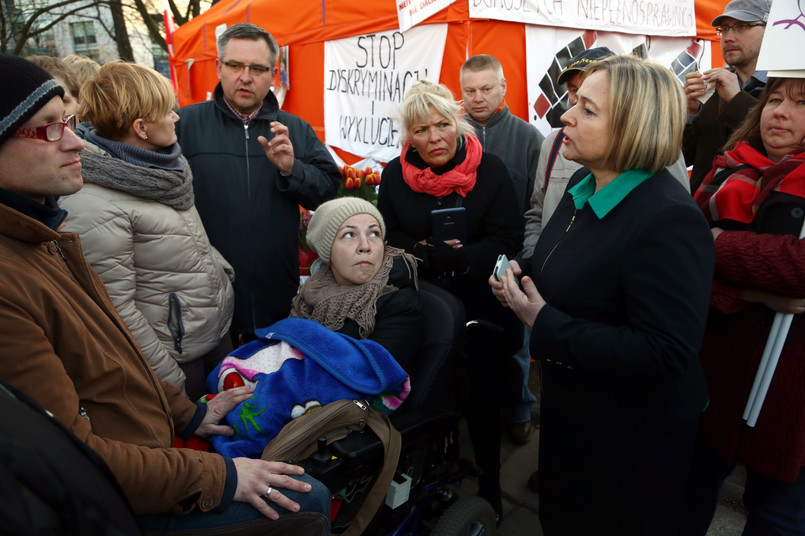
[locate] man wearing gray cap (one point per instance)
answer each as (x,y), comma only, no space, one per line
(737,86)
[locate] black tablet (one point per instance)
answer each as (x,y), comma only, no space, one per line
(449,223)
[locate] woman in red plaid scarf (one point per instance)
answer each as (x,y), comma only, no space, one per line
(754,198)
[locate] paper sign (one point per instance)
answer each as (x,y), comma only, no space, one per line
(785,34)
(365,78)
(412,12)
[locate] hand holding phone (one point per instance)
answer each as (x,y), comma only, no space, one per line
(501,266)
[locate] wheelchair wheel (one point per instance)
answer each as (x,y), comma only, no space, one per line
(468,516)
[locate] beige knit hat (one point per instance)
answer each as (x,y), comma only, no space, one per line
(330,216)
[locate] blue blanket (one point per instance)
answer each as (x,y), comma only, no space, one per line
(296,366)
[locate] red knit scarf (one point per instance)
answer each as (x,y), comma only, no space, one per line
(738,195)
(460,179)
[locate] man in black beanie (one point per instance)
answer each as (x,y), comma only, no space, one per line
(63,344)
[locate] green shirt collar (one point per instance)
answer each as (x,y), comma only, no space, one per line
(608,197)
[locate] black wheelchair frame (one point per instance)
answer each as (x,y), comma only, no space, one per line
(429,468)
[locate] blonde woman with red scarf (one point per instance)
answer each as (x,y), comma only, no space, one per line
(754,198)
(442,165)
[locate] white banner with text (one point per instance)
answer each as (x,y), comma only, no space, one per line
(412,12)
(645,17)
(365,78)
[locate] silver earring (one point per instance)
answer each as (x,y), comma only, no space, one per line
(145,136)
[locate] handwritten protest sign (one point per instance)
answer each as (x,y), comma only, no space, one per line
(649,17)
(365,78)
(412,12)
(785,32)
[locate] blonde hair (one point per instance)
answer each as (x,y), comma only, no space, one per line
(83,68)
(647,113)
(121,93)
(58,69)
(425,96)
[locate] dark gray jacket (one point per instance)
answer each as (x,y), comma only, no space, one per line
(517,143)
(250,212)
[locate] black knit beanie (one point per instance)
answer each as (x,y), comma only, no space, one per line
(24,89)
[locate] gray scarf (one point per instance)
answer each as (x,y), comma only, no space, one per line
(173,188)
(322,299)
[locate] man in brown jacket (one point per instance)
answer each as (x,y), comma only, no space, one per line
(63,343)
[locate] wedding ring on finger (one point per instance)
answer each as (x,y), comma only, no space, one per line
(269,491)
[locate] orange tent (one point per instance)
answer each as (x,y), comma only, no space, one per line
(305,25)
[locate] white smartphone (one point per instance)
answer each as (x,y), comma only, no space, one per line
(501,266)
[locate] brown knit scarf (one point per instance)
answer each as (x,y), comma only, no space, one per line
(330,304)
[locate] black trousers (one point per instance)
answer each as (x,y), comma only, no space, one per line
(624,485)
(487,353)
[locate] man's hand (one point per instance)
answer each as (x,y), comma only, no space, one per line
(497,286)
(726,82)
(695,87)
(256,477)
(218,407)
(526,303)
(279,150)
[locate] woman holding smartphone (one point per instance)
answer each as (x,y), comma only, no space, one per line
(616,295)
(442,166)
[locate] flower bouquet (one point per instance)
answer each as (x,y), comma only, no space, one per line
(361,183)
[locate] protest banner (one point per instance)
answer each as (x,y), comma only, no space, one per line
(649,17)
(365,78)
(785,32)
(412,12)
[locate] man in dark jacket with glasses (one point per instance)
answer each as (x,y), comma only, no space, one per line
(735,88)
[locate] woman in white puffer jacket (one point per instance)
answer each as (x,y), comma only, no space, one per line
(140,229)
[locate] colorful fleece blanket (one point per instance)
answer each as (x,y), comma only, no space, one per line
(296,366)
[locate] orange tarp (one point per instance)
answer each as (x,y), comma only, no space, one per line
(305,25)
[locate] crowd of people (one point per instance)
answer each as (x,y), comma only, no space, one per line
(141,245)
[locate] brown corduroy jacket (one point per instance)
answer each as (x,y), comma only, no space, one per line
(63,343)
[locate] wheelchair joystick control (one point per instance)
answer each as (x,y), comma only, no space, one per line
(321,456)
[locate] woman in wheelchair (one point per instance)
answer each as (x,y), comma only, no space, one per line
(365,289)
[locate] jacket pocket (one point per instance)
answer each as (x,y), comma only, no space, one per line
(175,324)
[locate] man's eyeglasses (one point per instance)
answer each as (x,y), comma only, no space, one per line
(254,68)
(737,28)
(49,132)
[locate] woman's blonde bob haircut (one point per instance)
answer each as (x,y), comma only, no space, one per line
(646,112)
(425,96)
(121,93)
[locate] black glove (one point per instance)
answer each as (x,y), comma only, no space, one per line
(445,259)
(422,254)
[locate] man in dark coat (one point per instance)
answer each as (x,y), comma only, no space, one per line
(737,87)
(253,165)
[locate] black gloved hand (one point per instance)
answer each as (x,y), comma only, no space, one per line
(422,254)
(445,259)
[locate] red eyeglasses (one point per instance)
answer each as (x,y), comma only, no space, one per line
(49,132)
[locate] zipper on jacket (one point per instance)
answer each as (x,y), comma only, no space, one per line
(569,225)
(175,324)
(246,130)
(61,254)
(63,259)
